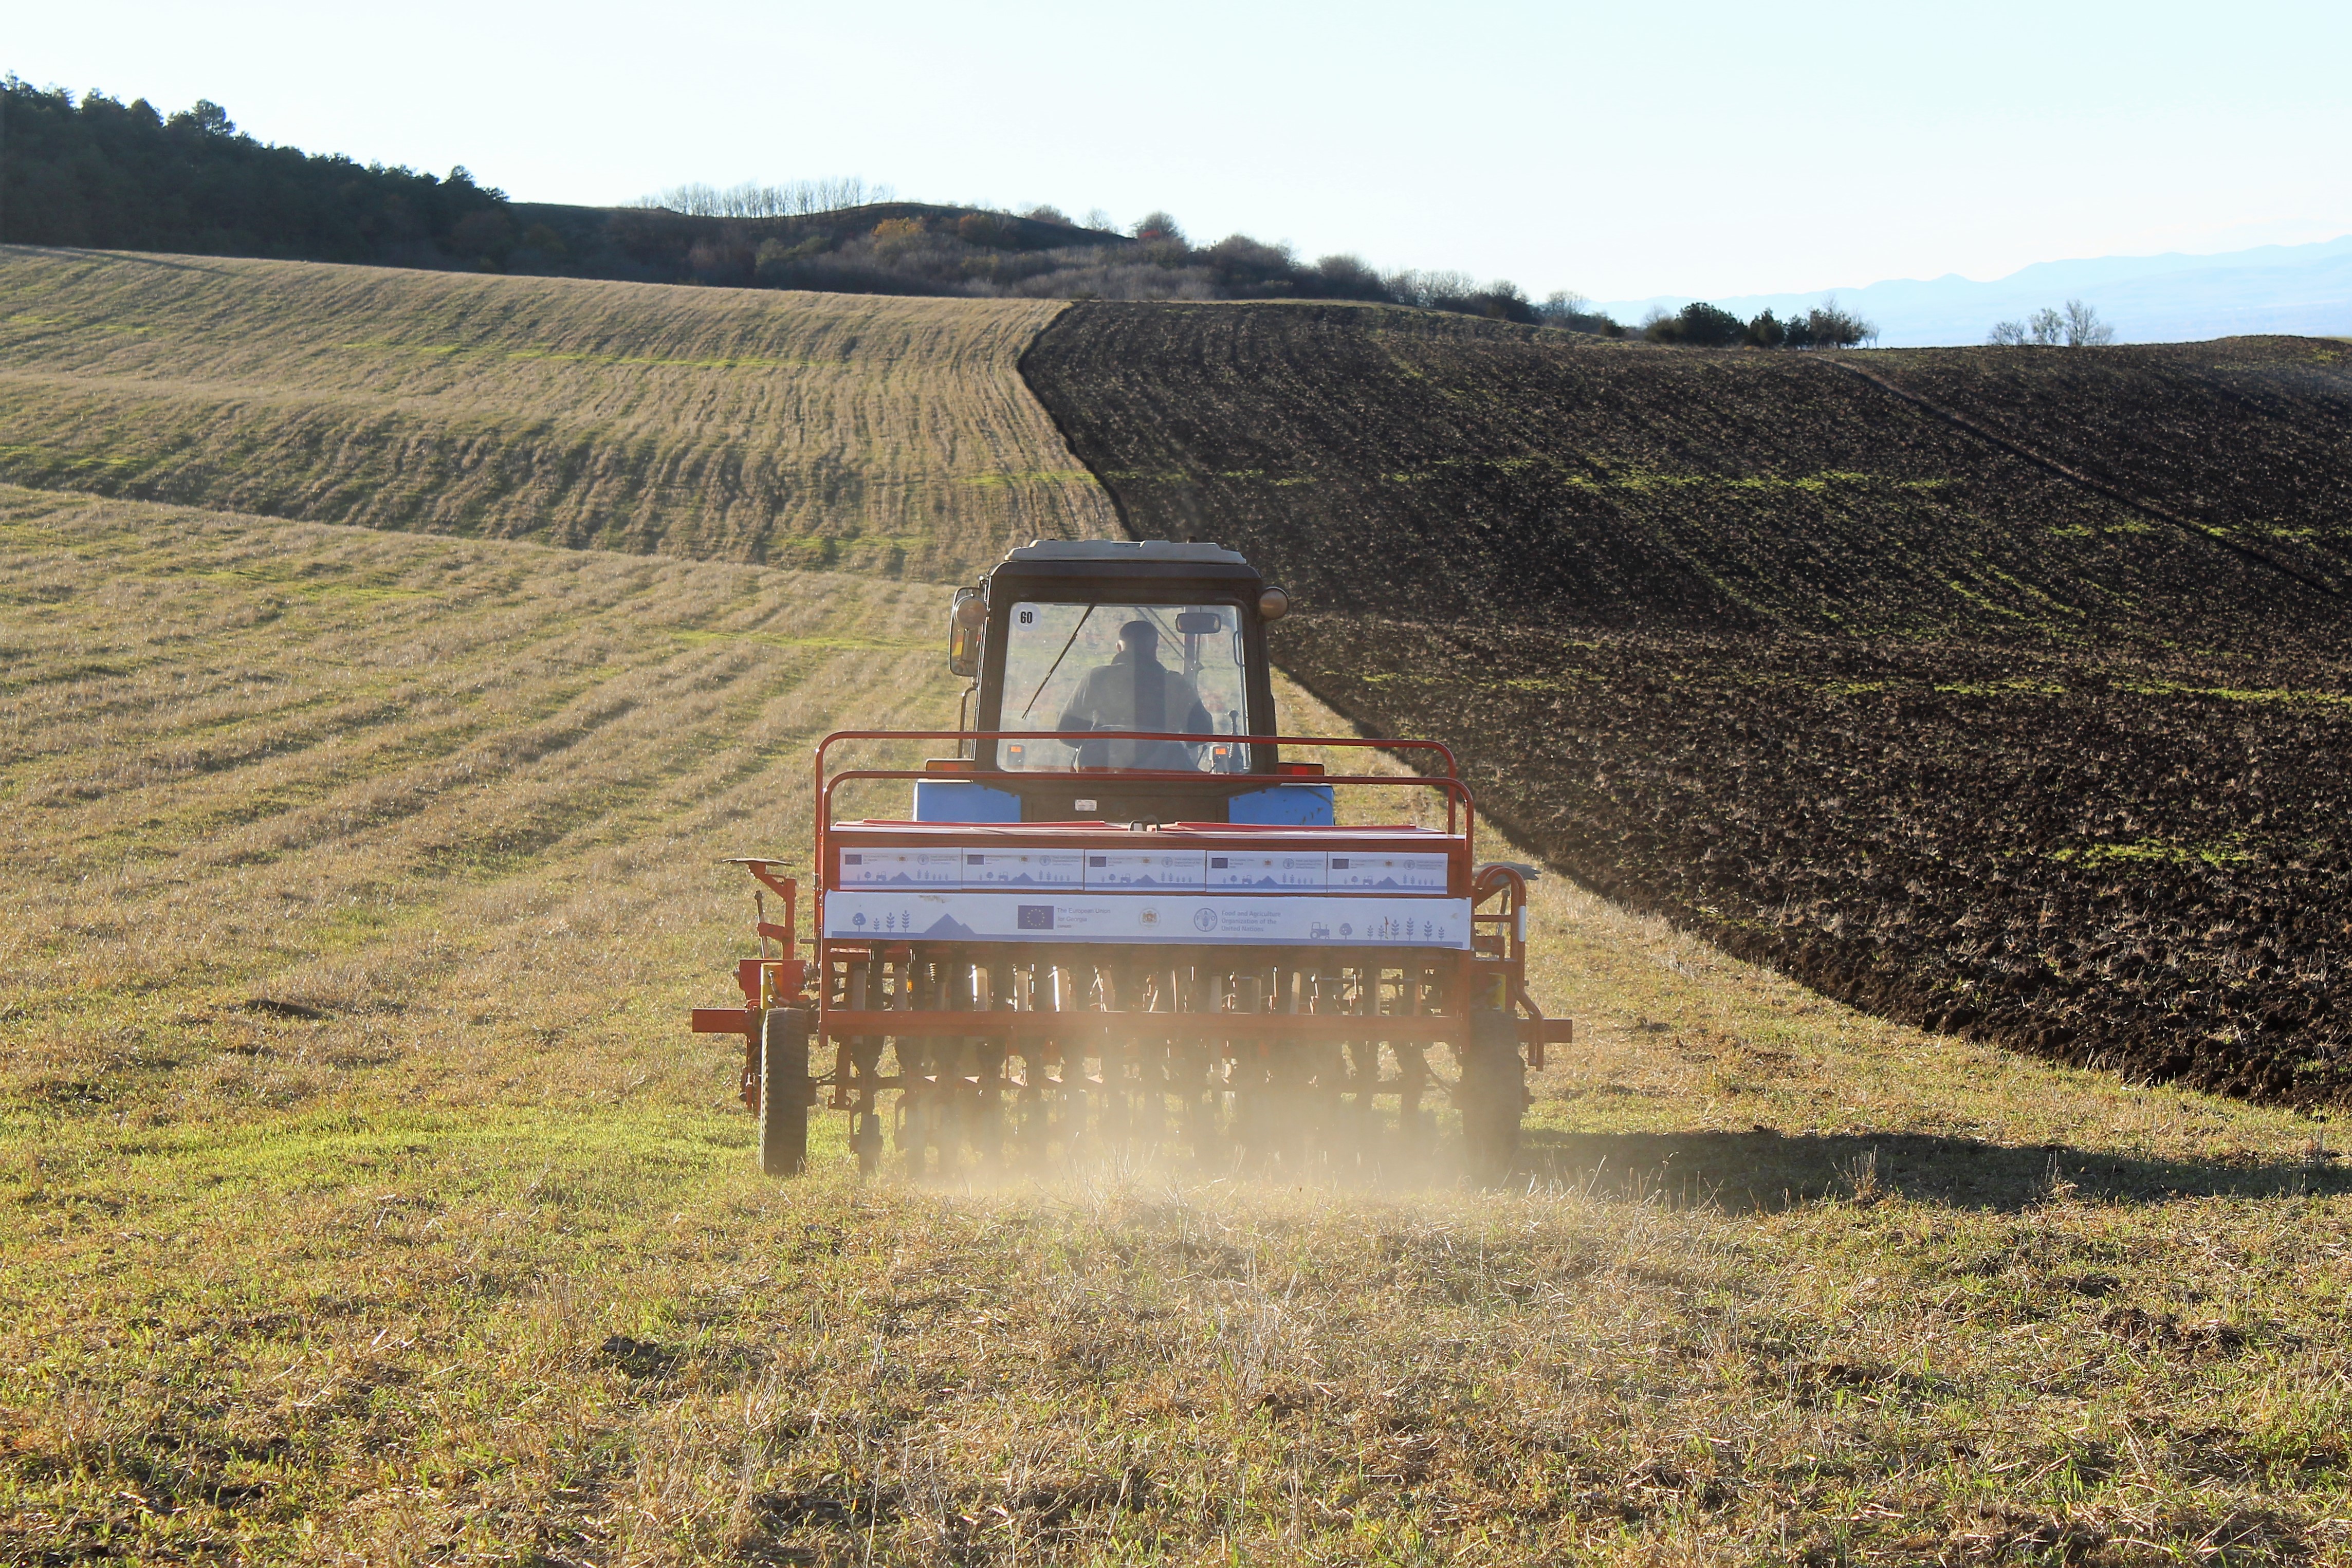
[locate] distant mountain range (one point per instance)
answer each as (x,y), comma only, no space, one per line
(2291,288)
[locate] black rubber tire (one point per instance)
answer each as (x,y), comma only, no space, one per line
(783,1093)
(1494,1095)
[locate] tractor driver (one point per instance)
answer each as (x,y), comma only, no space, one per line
(1136,691)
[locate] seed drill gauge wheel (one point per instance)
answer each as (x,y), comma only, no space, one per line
(1116,924)
(785,1091)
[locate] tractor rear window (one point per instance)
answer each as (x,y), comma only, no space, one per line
(1076,669)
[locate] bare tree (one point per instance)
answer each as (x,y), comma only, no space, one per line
(795,199)
(2084,327)
(1431,290)
(2076,327)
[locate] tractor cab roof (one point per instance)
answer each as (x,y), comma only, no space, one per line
(1113,558)
(1120,549)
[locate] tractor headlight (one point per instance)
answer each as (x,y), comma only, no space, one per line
(1273,604)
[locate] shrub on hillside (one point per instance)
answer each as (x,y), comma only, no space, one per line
(1348,278)
(1698,324)
(990,230)
(894,238)
(1567,309)
(1502,301)
(1825,326)
(1701,325)
(1158,227)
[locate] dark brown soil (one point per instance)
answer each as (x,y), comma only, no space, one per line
(2246,437)
(1922,684)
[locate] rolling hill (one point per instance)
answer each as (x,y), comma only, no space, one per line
(2003,691)
(880,434)
(1394,462)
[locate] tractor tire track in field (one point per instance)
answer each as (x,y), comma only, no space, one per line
(1821,667)
(2139,504)
(2245,436)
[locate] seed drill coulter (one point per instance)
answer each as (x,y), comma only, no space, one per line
(1116,919)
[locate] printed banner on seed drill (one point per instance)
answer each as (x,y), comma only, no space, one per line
(1045,917)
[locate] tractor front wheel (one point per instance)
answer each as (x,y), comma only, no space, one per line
(783,1091)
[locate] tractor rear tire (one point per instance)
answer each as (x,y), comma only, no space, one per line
(783,1091)
(1494,1094)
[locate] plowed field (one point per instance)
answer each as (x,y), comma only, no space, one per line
(811,430)
(2245,437)
(1819,662)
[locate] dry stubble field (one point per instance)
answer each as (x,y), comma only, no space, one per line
(364,1198)
(806,430)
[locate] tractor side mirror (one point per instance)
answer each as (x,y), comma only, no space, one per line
(965,621)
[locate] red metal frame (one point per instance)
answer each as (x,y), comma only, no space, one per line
(1497,952)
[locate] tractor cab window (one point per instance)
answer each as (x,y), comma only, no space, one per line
(1078,669)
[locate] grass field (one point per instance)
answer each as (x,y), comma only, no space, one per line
(806,430)
(364,1198)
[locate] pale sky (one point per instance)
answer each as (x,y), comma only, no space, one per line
(1704,149)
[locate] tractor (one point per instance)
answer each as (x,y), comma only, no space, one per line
(1116,919)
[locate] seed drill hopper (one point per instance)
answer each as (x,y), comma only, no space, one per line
(1116,918)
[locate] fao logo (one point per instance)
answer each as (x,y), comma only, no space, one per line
(1204,919)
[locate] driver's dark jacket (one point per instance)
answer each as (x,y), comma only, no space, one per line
(1127,694)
